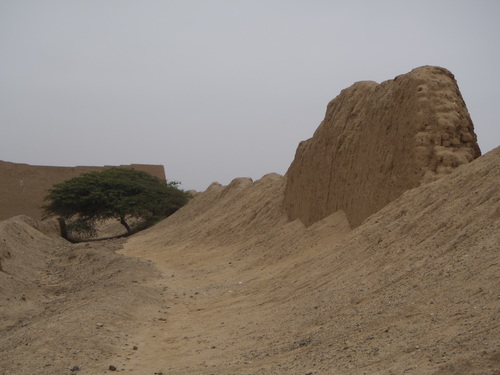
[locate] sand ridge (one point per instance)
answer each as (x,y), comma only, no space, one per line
(412,290)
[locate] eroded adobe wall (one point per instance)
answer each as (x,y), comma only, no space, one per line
(377,141)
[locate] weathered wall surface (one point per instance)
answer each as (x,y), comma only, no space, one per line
(377,141)
(23,186)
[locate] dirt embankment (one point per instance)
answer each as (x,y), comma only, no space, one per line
(413,290)
(64,305)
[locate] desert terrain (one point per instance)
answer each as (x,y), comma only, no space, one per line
(391,266)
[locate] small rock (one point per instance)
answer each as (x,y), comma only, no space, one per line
(304,342)
(75,368)
(112,368)
(135,347)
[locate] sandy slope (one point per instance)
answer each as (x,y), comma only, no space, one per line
(412,290)
(64,305)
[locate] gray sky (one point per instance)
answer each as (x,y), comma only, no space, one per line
(218,89)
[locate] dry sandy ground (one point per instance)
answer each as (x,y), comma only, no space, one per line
(229,286)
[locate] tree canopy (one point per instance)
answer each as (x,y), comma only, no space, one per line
(126,194)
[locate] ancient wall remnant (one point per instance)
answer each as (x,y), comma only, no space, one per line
(378,140)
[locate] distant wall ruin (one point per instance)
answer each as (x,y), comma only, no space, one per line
(23,186)
(377,141)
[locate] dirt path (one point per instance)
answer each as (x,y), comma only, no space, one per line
(208,321)
(224,315)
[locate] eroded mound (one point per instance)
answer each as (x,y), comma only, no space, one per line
(377,141)
(412,290)
(63,305)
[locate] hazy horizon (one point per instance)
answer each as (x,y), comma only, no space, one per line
(215,90)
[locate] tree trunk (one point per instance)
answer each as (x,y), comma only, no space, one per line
(125,224)
(64,230)
(63,227)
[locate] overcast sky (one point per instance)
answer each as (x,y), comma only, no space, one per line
(218,89)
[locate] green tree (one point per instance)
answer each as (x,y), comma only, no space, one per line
(129,195)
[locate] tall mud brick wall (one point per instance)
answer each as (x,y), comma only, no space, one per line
(23,187)
(377,141)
